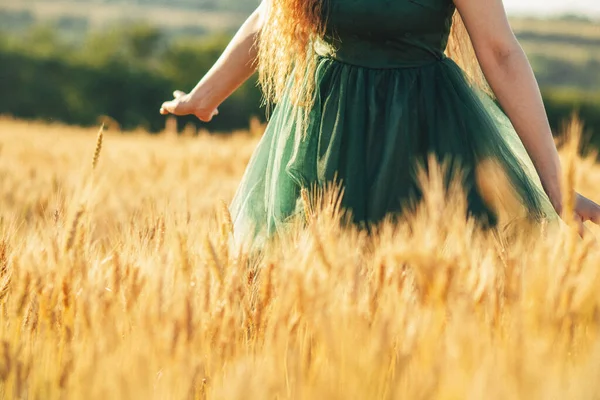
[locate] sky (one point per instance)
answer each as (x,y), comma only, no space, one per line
(544,7)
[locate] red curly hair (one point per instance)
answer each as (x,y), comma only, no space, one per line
(290,28)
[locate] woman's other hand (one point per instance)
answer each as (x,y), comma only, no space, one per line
(586,210)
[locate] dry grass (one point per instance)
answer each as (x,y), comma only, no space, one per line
(117,282)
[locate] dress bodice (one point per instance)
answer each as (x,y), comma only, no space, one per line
(386,33)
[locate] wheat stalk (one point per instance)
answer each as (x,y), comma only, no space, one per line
(72,234)
(98,148)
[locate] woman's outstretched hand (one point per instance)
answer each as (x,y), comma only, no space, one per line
(235,66)
(185,104)
(586,210)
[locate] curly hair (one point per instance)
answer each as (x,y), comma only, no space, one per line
(290,28)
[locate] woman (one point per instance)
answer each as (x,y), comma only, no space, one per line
(365,91)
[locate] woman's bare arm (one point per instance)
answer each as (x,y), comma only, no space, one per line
(232,69)
(510,76)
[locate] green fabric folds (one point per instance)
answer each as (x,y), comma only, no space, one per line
(375,118)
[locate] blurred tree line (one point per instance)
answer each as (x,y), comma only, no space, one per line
(126,72)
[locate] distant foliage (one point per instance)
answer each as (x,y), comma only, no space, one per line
(15,21)
(562,103)
(556,72)
(126,73)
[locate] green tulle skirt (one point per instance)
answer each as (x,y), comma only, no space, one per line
(371,129)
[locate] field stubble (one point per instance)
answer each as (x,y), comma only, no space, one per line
(117,281)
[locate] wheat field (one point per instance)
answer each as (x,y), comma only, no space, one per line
(118,281)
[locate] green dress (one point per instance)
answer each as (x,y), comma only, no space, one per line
(386,98)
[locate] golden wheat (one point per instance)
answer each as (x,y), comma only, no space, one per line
(141,295)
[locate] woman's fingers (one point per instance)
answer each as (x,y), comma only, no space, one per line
(205,116)
(595,217)
(592,213)
(587,210)
(580,226)
(168,107)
